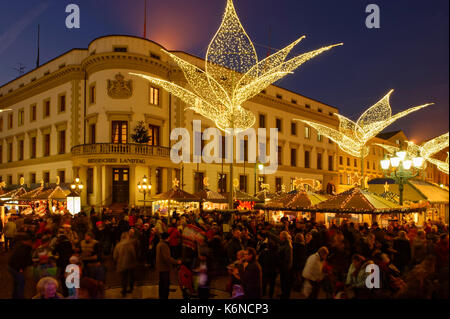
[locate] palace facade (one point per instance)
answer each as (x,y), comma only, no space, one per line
(74,116)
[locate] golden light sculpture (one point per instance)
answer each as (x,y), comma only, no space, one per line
(352,137)
(426,150)
(232,74)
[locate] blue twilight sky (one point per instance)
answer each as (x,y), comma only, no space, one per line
(409,53)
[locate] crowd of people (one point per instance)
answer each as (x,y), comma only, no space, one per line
(304,255)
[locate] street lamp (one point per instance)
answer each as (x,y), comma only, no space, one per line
(77,186)
(403,168)
(145,188)
(260,167)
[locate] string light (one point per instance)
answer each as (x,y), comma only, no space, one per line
(232,74)
(352,137)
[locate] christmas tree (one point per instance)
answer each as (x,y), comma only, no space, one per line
(140,133)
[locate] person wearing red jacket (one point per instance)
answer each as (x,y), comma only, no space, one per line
(174,239)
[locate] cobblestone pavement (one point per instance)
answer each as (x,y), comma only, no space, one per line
(146,283)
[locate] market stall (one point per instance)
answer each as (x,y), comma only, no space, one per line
(212,200)
(175,199)
(360,205)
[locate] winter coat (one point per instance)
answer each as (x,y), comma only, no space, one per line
(125,255)
(163,258)
(234,245)
(298,256)
(403,255)
(10,229)
(313,268)
(251,279)
(285,256)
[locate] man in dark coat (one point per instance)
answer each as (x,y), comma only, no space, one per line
(18,263)
(163,263)
(234,245)
(251,276)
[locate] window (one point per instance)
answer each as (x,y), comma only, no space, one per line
(33,113)
(62,176)
(307,165)
(153,132)
(33,147)
(294,101)
(319,161)
(198,181)
(47,108)
(46,177)
(293,128)
(355,162)
(319,137)
(307,132)
(340,160)
(120,49)
(154,96)
(20,150)
(279,96)
(330,163)
(9,179)
(245,150)
(10,120)
(92,133)
(348,161)
(90,180)
(280,155)
(62,142)
(92,94)
(119,132)
(307,106)
(21,117)
(293,157)
(330,141)
(262,120)
(331,114)
(62,103)
(278,125)
(32,178)
(155,56)
(373,165)
(222,183)
(243,183)
(158,175)
(368,165)
(46,144)
(10,152)
(19,177)
(319,110)
(278,184)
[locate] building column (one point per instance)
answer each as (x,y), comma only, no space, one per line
(166,184)
(104,185)
(153,179)
(82,174)
(98,184)
(132,181)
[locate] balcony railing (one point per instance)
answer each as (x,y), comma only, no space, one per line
(125,149)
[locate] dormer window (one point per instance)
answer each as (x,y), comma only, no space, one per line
(120,49)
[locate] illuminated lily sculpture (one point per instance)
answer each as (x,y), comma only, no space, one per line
(352,137)
(231,76)
(426,151)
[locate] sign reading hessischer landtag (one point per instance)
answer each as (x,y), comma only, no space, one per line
(116,161)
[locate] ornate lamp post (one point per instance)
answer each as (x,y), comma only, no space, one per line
(403,167)
(145,188)
(77,186)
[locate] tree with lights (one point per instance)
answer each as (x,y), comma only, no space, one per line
(352,137)
(140,134)
(231,76)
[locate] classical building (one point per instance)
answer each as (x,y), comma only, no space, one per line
(74,116)
(350,166)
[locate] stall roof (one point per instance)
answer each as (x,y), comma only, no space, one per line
(414,191)
(178,195)
(208,195)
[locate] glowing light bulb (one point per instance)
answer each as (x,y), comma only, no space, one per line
(401,155)
(418,162)
(407,164)
(395,161)
(385,164)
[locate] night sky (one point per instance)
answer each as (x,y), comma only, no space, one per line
(409,53)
